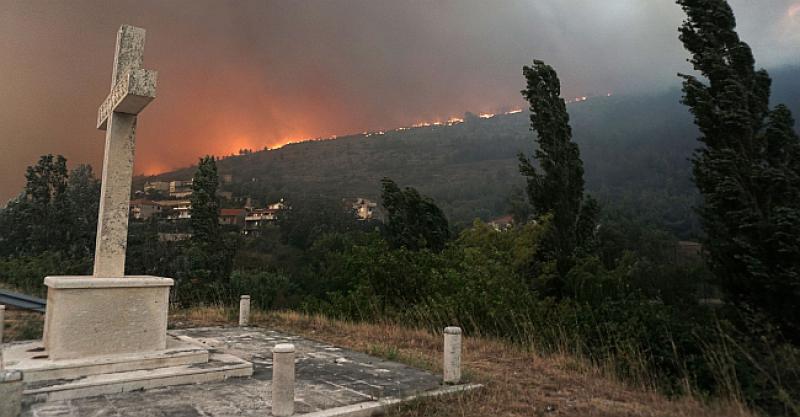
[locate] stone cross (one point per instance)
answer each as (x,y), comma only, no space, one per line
(132,88)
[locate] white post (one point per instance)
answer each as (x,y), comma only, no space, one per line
(244,310)
(2,321)
(283,380)
(10,393)
(452,355)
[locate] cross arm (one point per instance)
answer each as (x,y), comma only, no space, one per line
(134,91)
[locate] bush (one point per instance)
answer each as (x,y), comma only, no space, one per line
(267,290)
(27,273)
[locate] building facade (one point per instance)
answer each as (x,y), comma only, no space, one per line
(142,209)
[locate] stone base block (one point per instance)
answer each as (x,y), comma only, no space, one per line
(30,358)
(218,368)
(185,361)
(91,316)
(10,393)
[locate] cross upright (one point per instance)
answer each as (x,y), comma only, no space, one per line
(132,88)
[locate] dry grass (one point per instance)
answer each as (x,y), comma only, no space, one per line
(22,325)
(517,382)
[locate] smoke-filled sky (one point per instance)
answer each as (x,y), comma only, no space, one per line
(253,73)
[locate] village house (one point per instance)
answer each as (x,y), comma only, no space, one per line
(156,187)
(364,209)
(233,217)
(277,206)
(180,189)
(256,218)
(176,209)
(502,223)
(143,209)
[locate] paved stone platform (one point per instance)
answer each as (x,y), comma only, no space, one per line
(328,378)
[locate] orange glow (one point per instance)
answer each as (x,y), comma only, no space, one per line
(232,143)
(794,10)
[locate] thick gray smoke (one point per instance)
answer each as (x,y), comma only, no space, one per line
(253,73)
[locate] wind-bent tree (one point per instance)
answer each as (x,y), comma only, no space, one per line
(413,221)
(748,169)
(556,187)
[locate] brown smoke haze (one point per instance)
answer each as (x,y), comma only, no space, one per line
(250,74)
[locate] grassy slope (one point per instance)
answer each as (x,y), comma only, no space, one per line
(518,382)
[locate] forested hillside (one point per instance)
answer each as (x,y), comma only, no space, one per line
(635,151)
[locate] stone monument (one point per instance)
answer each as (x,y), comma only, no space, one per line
(126,314)
(110,325)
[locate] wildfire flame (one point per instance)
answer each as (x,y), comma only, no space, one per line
(450,121)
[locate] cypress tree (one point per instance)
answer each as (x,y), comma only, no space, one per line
(205,204)
(556,188)
(747,170)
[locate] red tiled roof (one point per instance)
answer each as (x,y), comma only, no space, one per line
(507,219)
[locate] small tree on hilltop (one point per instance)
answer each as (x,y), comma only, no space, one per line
(748,170)
(413,221)
(557,186)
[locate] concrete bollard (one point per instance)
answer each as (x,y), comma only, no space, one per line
(10,393)
(283,380)
(244,310)
(2,321)
(452,355)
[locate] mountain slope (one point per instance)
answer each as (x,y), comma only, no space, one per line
(635,152)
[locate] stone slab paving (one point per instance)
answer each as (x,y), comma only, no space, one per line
(327,377)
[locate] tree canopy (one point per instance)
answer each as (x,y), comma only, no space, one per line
(413,221)
(748,169)
(556,187)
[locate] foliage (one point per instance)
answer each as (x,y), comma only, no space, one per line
(205,204)
(748,170)
(207,261)
(267,290)
(309,218)
(57,211)
(26,273)
(413,221)
(83,198)
(632,307)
